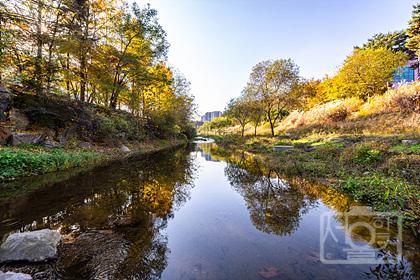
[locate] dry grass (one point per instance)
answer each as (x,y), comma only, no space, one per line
(404,99)
(395,112)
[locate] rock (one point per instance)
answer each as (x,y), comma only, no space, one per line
(20,120)
(5,99)
(50,144)
(48,133)
(85,145)
(14,276)
(124,149)
(68,133)
(338,139)
(26,138)
(33,246)
(282,148)
(5,134)
(409,142)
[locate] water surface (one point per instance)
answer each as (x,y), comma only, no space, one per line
(200,213)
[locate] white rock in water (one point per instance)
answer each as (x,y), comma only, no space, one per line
(31,246)
(14,276)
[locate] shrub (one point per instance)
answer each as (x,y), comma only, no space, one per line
(385,193)
(364,154)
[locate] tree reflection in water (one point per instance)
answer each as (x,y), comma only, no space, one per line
(274,205)
(112,221)
(277,205)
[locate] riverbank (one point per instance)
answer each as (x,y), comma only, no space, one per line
(54,165)
(43,134)
(32,160)
(380,171)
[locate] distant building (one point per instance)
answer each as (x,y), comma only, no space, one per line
(408,73)
(207,117)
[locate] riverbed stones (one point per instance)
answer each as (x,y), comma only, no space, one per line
(33,246)
(281,148)
(14,276)
(26,138)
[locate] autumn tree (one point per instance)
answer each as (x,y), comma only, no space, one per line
(239,110)
(365,73)
(272,82)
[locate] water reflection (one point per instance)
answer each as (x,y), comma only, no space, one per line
(194,213)
(274,205)
(112,216)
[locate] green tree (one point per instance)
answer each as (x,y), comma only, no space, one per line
(365,73)
(272,83)
(394,41)
(413,31)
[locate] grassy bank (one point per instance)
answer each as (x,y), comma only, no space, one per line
(378,171)
(31,160)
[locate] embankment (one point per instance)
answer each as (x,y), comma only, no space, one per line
(44,134)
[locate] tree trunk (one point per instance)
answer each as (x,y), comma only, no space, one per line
(243,131)
(38,59)
(82,77)
(271,124)
(255,130)
(67,74)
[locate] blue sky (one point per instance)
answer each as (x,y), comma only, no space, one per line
(215,43)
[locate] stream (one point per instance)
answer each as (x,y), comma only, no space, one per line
(201,213)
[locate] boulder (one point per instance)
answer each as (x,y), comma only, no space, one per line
(5,134)
(68,133)
(409,142)
(33,246)
(282,148)
(20,120)
(26,138)
(124,149)
(5,99)
(14,276)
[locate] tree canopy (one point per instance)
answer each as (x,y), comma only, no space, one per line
(105,52)
(272,83)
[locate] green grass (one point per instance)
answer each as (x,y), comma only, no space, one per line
(31,160)
(401,148)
